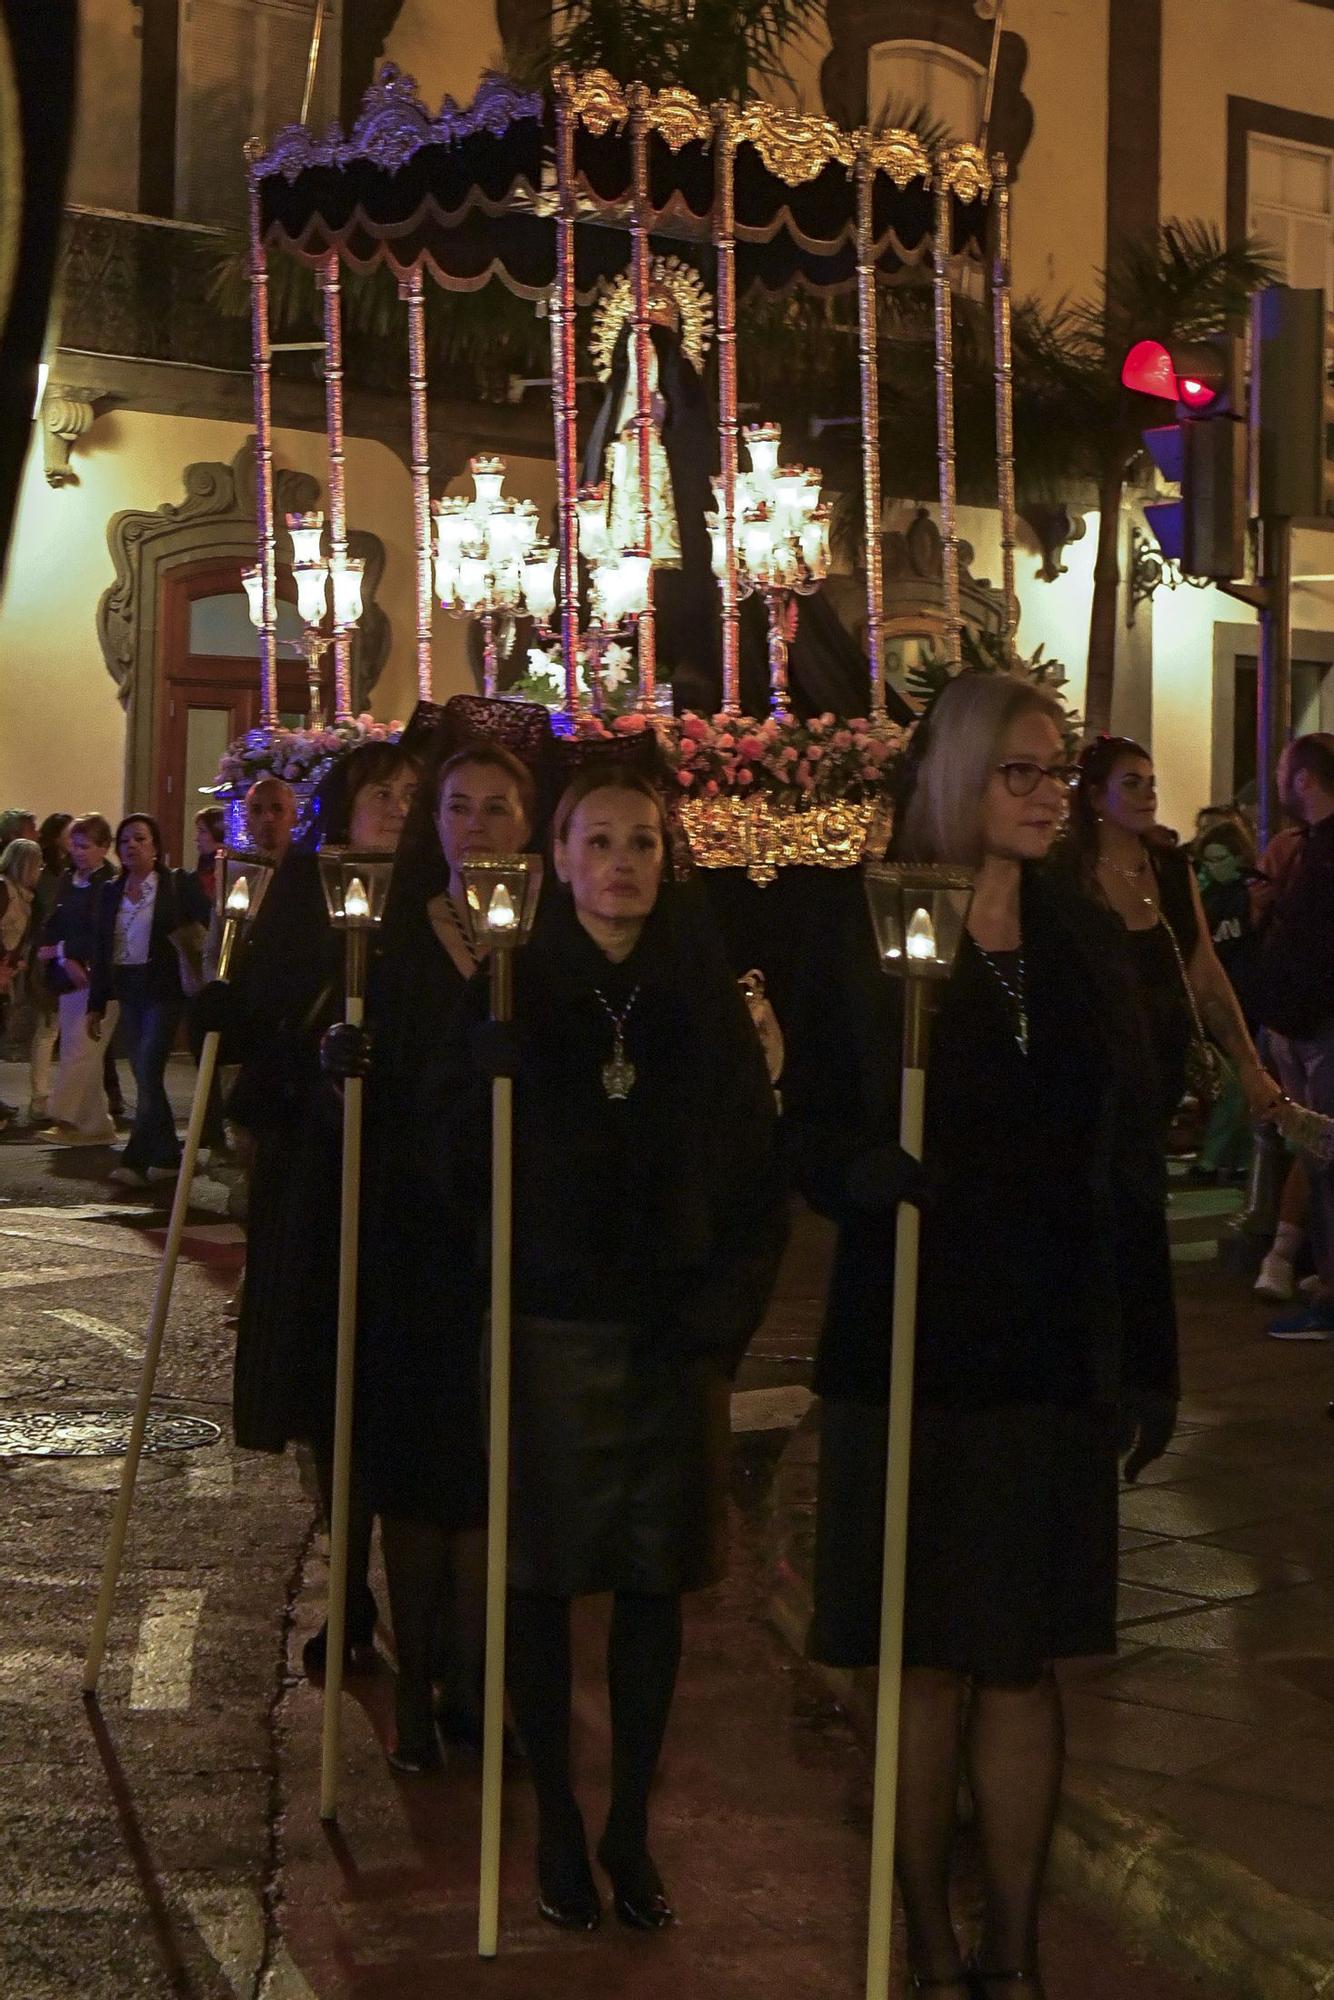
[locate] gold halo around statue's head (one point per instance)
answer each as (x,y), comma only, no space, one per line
(677,298)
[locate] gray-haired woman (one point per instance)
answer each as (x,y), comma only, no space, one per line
(1037,1146)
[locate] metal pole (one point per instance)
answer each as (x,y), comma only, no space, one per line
(916,1021)
(349,1234)
(497,1534)
(868,368)
(1004,364)
(641,273)
(157,1322)
(1273,693)
(331,285)
(949,521)
(563,394)
(313,60)
(413,290)
(724,237)
(261,363)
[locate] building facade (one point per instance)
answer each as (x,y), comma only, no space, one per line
(125,656)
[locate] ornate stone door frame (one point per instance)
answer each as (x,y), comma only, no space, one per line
(216,519)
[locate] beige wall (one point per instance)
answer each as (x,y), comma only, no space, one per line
(104,172)
(63,740)
(446,47)
(1276,51)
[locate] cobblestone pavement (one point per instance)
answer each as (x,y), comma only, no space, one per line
(165,1840)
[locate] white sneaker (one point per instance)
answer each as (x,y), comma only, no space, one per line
(163,1173)
(128,1177)
(1275,1278)
(1312,1287)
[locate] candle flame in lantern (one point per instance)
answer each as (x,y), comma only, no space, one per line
(238,902)
(356,903)
(921,936)
(500,916)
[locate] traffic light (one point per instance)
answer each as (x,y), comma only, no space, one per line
(1292,402)
(1203,451)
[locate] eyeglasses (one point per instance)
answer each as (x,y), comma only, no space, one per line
(1022,776)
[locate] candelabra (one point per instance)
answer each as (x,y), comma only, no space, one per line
(618,593)
(312,572)
(490,560)
(780,542)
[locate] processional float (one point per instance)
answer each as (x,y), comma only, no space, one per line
(542,191)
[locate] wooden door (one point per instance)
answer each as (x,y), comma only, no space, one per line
(208,689)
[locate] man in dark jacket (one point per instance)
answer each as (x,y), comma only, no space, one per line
(1295,992)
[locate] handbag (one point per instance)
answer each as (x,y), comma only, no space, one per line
(1204,1063)
(189,940)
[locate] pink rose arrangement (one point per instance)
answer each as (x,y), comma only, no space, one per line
(810,762)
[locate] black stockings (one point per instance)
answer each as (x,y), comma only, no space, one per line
(437,1599)
(1015,1744)
(643,1654)
(360,1521)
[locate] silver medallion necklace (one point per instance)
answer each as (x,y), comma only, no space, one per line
(1017,994)
(618,1075)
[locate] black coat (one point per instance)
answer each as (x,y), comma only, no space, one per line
(665,1209)
(164,973)
(1044,1209)
(74,917)
(419,1412)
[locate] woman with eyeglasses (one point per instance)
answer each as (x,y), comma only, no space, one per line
(1035,1140)
(1120,860)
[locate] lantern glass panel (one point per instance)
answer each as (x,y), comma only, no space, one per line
(500,897)
(355,884)
(242,882)
(918,914)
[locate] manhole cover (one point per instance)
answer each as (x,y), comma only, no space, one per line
(97,1434)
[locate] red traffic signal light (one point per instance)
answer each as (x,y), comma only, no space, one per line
(1192,373)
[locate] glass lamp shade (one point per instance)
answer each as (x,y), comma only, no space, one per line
(473,575)
(500,897)
(632,583)
(717,543)
(446,580)
(762,442)
(591,510)
(347,576)
(918,912)
(307,531)
(488,478)
(452,526)
(312,591)
(526,525)
(253,581)
(539,581)
(243,881)
(815,542)
(757,542)
(504,532)
(355,883)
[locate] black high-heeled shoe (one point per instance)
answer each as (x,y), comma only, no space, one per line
(567,1895)
(638,1895)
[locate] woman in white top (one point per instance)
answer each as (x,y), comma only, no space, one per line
(135,970)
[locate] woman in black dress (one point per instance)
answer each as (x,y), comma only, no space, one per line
(649,1220)
(419,1410)
(286,990)
(1033,1144)
(1120,859)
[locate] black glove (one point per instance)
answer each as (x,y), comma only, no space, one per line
(1147,1423)
(495,1048)
(345,1050)
(211,1008)
(885,1176)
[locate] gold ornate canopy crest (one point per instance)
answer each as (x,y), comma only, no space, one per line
(677,298)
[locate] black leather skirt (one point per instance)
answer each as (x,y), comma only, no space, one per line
(618,1461)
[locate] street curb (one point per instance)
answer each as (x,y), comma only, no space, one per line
(1188,1905)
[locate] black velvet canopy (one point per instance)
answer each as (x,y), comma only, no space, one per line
(470,194)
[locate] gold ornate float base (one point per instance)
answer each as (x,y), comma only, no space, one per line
(761,837)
